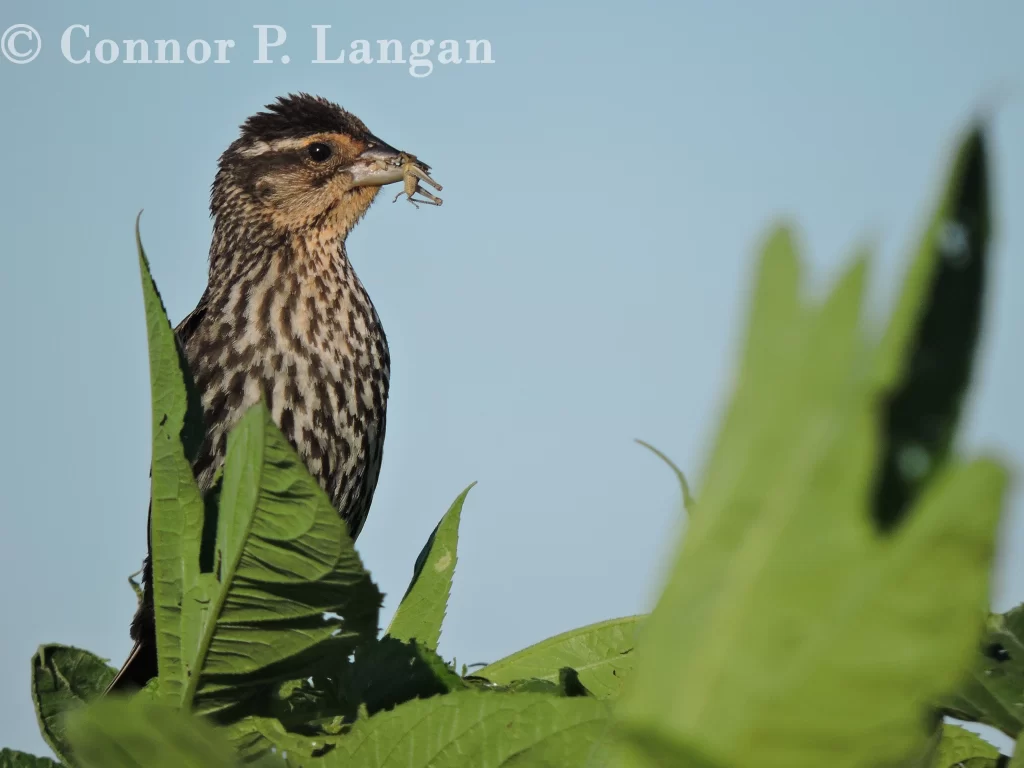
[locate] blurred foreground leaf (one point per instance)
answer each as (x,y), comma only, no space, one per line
(120,733)
(791,633)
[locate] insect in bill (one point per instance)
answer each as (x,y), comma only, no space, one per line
(415,171)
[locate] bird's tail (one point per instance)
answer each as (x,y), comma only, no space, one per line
(138,670)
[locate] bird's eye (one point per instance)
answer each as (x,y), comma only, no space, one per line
(319,151)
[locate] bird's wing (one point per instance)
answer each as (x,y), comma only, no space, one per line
(138,670)
(191,321)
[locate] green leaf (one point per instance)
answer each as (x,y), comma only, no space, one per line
(790,628)
(176,512)
(993,693)
(391,672)
(579,745)
(960,747)
(689,503)
(1017,761)
(568,684)
(116,732)
(422,610)
(284,559)
(601,653)
(306,718)
(63,679)
(926,357)
(462,730)
(247,738)
(10,758)
(254,737)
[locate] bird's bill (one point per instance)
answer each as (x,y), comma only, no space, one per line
(379,165)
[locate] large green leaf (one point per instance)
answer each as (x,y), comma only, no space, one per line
(601,653)
(119,733)
(422,610)
(994,692)
(462,730)
(10,758)
(791,633)
(288,585)
(63,679)
(176,512)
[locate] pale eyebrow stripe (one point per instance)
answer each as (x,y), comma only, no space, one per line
(259,148)
(263,147)
(283,144)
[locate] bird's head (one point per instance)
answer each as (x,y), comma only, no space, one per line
(301,165)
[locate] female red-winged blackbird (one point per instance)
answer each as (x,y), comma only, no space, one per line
(284,316)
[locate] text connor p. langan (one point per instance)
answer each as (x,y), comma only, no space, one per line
(269,44)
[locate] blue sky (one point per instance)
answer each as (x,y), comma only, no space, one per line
(607,180)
